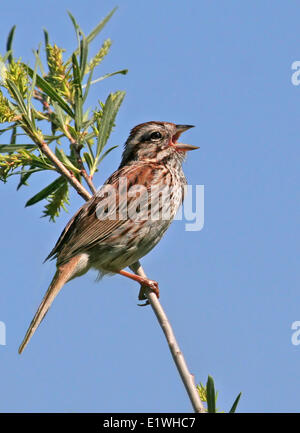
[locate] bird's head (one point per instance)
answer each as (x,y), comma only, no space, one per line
(155,141)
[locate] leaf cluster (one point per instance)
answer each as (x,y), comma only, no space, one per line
(209,396)
(46,103)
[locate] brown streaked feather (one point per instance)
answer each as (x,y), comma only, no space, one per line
(62,275)
(85,229)
(141,125)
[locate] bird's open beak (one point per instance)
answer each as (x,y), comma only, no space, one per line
(181,146)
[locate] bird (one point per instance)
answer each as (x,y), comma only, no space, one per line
(125,219)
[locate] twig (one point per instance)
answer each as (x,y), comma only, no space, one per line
(83,171)
(59,165)
(41,97)
(88,180)
(64,171)
(186,376)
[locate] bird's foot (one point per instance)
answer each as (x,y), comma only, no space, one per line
(145,283)
(148,284)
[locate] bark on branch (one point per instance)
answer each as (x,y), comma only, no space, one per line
(186,376)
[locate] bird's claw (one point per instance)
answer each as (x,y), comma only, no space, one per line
(148,284)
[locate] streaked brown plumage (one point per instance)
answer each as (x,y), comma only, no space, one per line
(126,218)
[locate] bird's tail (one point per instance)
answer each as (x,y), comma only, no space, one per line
(61,277)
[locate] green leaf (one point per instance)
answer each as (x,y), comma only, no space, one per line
(109,113)
(46,39)
(86,115)
(77,29)
(60,115)
(78,93)
(78,32)
(83,55)
(57,201)
(21,158)
(13,137)
(30,94)
(87,86)
(14,108)
(106,153)
(50,91)
(24,176)
(76,71)
(122,71)
(236,401)
(7,129)
(100,26)
(45,192)
(74,22)
(89,142)
(39,61)
(7,56)
(50,138)
(9,43)
(72,131)
(65,160)
(20,104)
(7,148)
(17,96)
(94,32)
(86,124)
(88,159)
(40,161)
(90,136)
(210,395)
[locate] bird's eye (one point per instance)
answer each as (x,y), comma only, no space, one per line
(155,135)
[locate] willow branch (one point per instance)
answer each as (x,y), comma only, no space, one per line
(45,149)
(41,97)
(82,169)
(84,173)
(186,376)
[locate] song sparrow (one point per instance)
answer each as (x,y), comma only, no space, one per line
(127,217)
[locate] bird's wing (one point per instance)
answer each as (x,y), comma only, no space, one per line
(88,226)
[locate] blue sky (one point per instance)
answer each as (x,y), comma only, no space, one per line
(230,290)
